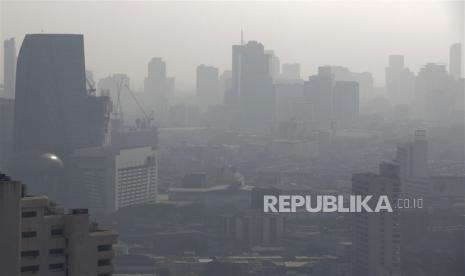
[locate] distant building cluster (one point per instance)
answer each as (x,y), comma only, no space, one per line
(182,177)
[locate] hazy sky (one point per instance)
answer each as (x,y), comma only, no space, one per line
(121,36)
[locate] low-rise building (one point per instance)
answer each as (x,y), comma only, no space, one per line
(38,237)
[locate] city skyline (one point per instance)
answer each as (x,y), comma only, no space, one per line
(176,37)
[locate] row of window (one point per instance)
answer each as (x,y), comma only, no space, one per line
(35,268)
(32,234)
(61,251)
(35,253)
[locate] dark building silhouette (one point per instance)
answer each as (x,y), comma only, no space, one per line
(455,60)
(7,107)
(53,110)
(252,86)
(207,86)
(9,67)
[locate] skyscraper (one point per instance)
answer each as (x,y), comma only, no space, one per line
(158,88)
(455,60)
(9,67)
(346,102)
(7,107)
(207,87)
(252,86)
(318,89)
(412,157)
(434,93)
(376,236)
(400,81)
(53,110)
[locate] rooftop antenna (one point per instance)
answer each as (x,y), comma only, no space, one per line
(242,37)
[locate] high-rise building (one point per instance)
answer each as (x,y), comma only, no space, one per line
(53,110)
(7,107)
(455,60)
(274,63)
(400,81)
(434,93)
(412,158)
(345,102)
(290,71)
(252,86)
(9,68)
(159,88)
(364,80)
(38,237)
(318,89)
(207,87)
(121,174)
(376,236)
(287,96)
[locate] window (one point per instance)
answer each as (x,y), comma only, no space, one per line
(103,262)
(30,268)
(59,266)
(57,232)
(56,251)
(29,234)
(104,247)
(30,253)
(29,214)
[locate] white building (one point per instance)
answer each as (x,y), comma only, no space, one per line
(117,177)
(39,238)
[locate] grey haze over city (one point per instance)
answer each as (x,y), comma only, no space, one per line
(120,36)
(232,138)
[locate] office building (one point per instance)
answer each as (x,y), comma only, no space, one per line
(345,102)
(274,65)
(412,157)
(121,174)
(287,96)
(364,80)
(252,87)
(455,61)
(253,227)
(40,238)
(9,68)
(159,88)
(434,93)
(7,107)
(376,236)
(400,81)
(53,110)
(207,87)
(318,90)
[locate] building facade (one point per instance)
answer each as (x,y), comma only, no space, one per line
(376,236)
(9,68)
(40,238)
(53,110)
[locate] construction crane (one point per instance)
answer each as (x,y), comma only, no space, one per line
(147,117)
(118,110)
(90,86)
